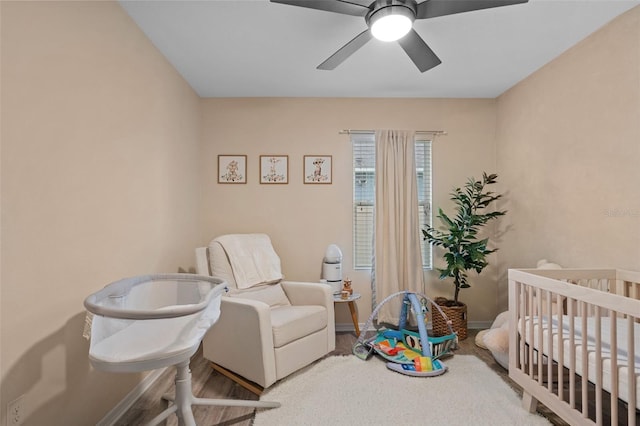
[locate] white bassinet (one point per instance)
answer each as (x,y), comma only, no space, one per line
(154,321)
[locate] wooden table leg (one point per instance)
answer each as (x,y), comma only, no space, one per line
(354,317)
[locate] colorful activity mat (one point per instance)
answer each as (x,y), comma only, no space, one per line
(404,346)
(408,352)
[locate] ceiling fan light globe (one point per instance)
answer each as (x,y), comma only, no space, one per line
(391,23)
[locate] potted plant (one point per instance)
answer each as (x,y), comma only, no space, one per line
(464,250)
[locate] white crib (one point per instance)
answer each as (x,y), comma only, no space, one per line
(575,346)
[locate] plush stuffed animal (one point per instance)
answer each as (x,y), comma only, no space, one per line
(544,264)
(496,339)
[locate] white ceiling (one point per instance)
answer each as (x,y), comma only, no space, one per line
(254,48)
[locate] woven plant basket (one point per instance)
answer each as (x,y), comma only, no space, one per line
(456,314)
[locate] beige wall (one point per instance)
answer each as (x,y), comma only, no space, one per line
(100,145)
(303,219)
(568,142)
(109,160)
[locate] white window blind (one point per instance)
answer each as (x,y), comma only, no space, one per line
(364,196)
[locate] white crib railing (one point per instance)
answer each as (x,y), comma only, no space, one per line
(576,339)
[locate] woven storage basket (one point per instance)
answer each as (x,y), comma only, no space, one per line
(456,314)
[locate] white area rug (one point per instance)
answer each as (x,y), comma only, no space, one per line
(348,391)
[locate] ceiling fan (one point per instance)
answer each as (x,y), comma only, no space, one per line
(392,20)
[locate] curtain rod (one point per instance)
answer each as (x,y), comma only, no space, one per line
(364,132)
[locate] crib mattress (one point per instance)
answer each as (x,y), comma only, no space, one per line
(625,373)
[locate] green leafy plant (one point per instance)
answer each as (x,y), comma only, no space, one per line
(459,235)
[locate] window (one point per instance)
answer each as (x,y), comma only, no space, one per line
(364,173)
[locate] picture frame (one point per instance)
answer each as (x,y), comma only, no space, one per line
(232,169)
(318,169)
(274,169)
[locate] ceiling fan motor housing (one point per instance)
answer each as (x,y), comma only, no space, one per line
(382,8)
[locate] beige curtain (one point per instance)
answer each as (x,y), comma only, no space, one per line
(397,255)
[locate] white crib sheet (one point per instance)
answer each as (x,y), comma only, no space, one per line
(624,372)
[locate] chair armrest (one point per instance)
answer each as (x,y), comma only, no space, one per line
(249,321)
(242,340)
(302,293)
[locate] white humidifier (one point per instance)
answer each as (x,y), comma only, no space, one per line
(332,268)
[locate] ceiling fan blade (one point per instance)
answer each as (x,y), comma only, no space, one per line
(337,6)
(434,8)
(418,51)
(345,51)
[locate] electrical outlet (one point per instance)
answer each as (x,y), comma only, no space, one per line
(15,411)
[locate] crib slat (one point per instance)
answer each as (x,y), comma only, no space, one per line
(530,310)
(520,304)
(613,343)
(572,352)
(599,365)
(585,364)
(541,327)
(537,327)
(523,312)
(560,339)
(631,371)
(523,300)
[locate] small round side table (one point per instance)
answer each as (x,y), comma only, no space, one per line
(351,301)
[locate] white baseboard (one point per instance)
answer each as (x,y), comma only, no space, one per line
(479,325)
(127,402)
(346,327)
(471,325)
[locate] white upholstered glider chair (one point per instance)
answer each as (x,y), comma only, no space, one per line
(269,327)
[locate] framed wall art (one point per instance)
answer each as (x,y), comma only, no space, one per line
(274,169)
(317,169)
(232,169)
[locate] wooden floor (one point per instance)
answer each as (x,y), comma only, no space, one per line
(209,384)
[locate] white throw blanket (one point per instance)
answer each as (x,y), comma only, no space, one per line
(252,258)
